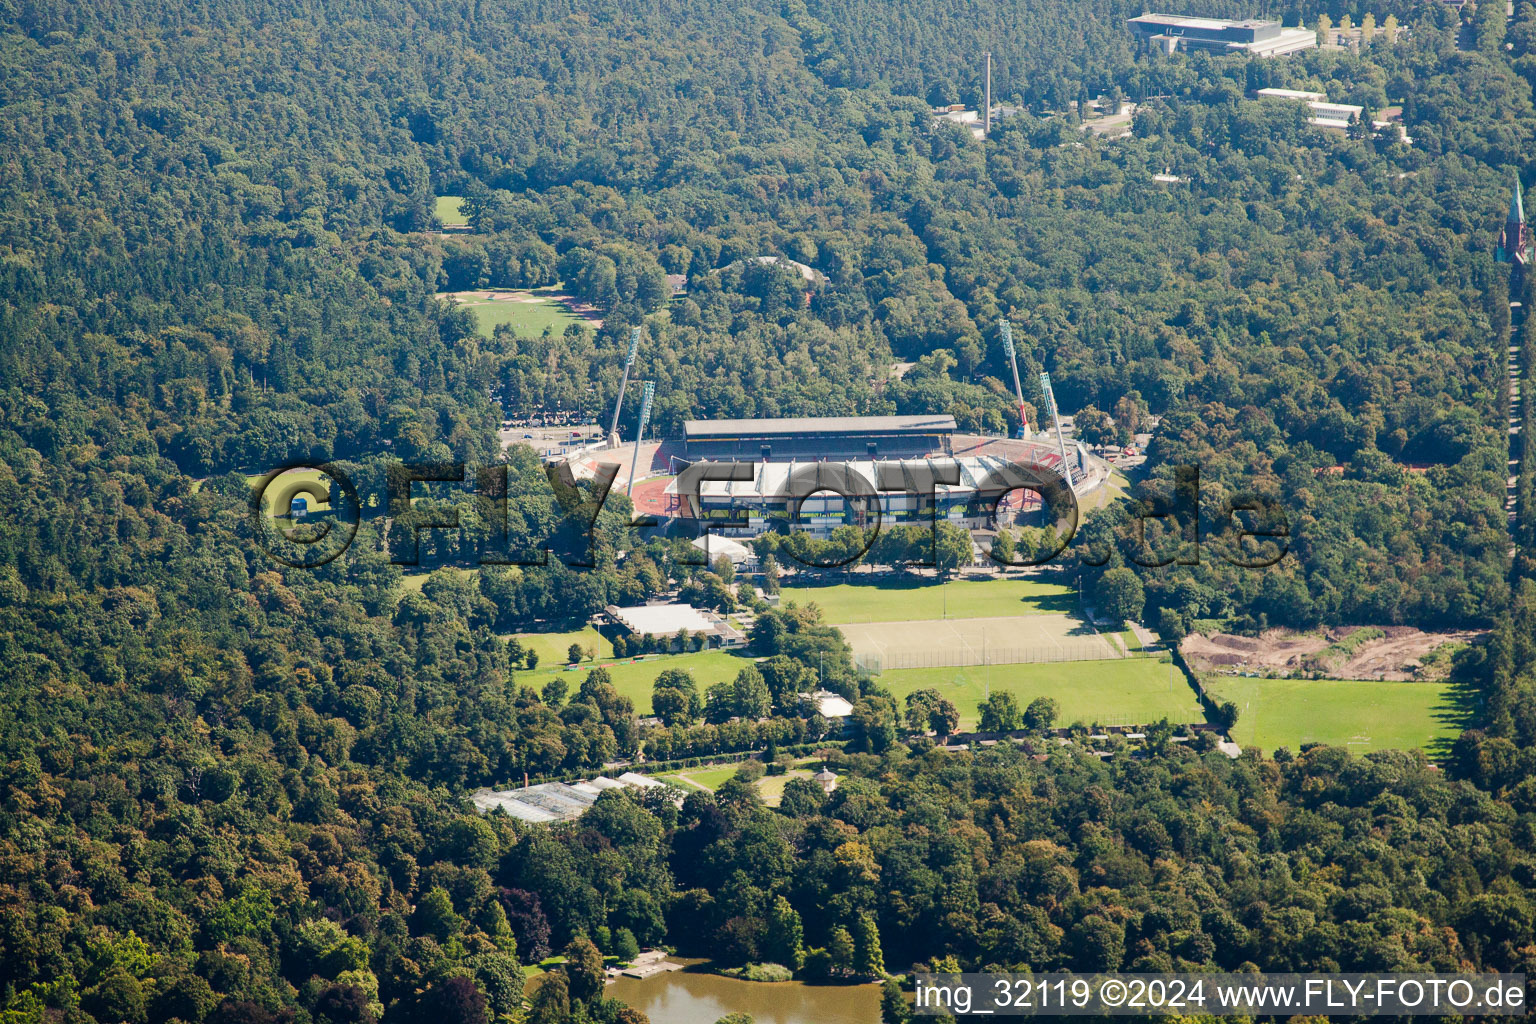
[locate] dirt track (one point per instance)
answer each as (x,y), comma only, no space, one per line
(1397,655)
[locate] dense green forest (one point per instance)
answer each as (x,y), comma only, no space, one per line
(233,792)
(247,274)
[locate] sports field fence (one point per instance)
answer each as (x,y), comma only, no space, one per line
(964,656)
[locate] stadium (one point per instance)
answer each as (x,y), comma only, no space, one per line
(839,470)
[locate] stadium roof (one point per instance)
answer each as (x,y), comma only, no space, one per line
(1180,21)
(793,426)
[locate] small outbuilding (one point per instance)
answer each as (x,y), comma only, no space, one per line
(826,779)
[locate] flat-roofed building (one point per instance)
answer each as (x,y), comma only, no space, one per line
(956,113)
(1321,111)
(834,707)
(1170,33)
(667,621)
(1290,94)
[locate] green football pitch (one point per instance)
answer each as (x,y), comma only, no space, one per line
(1358,714)
(1126,691)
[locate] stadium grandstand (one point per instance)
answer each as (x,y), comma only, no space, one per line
(837,470)
(818,437)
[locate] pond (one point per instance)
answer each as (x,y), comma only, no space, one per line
(695,997)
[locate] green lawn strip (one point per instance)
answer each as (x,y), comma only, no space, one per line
(908,599)
(1358,714)
(449,212)
(681,781)
(1127,691)
(710,778)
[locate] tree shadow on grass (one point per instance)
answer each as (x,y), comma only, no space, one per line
(1060,604)
(1460,708)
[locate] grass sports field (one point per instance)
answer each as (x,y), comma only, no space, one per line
(994,641)
(552,646)
(633,679)
(1126,691)
(529,314)
(917,599)
(449,213)
(1360,715)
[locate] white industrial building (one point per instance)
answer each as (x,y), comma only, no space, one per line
(956,113)
(1169,33)
(1324,113)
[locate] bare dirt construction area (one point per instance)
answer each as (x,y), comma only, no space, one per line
(1341,652)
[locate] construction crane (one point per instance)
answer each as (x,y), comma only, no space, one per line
(1061,443)
(1006,330)
(645,417)
(634,346)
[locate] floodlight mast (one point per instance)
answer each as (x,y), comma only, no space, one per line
(634,346)
(1005,328)
(1061,443)
(645,416)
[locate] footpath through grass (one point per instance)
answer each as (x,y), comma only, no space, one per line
(1126,691)
(914,598)
(1359,714)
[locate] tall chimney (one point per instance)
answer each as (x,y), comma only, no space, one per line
(986,117)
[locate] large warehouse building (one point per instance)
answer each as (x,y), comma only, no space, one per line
(1169,33)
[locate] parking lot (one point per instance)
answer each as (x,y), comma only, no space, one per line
(548,440)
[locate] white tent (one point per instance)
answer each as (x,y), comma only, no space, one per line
(715,546)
